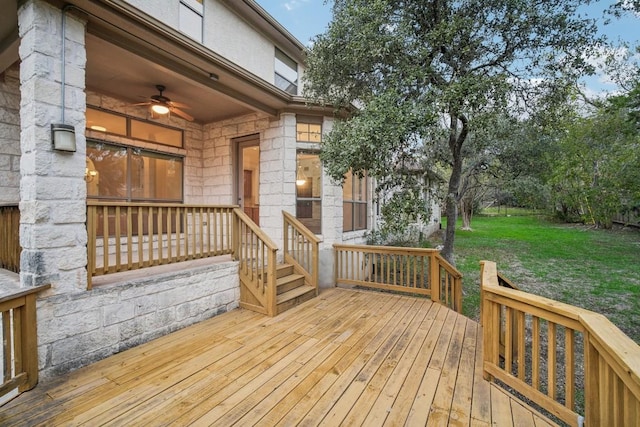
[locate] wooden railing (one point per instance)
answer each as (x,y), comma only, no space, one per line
(410,270)
(542,356)
(256,254)
(301,249)
(10,237)
(19,340)
(127,236)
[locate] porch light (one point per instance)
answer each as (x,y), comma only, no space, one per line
(63,137)
(160,109)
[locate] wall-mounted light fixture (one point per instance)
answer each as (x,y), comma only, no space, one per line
(63,137)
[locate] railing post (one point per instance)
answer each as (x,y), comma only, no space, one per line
(235,235)
(271,283)
(434,277)
(591,389)
(29,342)
(316,265)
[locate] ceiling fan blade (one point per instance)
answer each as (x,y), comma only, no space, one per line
(182,114)
(141,103)
(178,104)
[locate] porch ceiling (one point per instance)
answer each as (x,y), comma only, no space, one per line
(120,73)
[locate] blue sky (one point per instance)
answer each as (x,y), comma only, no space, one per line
(307,18)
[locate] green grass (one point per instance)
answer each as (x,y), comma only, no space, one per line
(595,269)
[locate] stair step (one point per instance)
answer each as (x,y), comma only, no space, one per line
(288,283)
(283,270)
(294,297)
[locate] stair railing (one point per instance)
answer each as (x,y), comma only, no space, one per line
(544,342)
(301,249)
(256,254)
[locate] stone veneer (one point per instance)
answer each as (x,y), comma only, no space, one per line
(76,329)
(10,135)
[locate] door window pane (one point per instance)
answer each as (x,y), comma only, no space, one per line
(309,191)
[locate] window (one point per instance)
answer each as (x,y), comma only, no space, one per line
(309,191)
(309,132)
(354,208)
(191,18)
(131,174)
(286,76)
(117,124)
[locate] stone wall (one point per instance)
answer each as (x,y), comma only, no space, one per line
(76,329)
(10,135)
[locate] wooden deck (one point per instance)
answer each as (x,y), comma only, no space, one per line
(345,358)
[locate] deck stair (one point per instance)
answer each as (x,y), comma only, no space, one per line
(291,288)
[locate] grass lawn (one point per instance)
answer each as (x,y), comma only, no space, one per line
(595,269)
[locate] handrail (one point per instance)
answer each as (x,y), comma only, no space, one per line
(256,254)
(126,236)
(10,243)
(20,339)
(612,360)
(410,270)
(301,249)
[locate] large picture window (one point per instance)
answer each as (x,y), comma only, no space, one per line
(309,191)
(132,174)
(354,196)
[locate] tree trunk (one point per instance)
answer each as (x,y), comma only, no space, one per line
(455,145)
(466,206)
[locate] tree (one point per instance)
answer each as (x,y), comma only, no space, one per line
(596,170)
(425,71)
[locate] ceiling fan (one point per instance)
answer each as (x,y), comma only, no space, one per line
(161,104)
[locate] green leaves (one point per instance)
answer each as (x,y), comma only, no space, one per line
(424,72)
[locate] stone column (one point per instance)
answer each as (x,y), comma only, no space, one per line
(52,187)
(278,175)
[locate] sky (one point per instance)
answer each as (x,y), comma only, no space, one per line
(307,18)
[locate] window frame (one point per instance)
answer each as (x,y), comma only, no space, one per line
(355,203)
(128,134)
(282,58)
(310,199)
(192,6)
(128,197)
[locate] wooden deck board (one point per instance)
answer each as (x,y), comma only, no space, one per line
(345,358)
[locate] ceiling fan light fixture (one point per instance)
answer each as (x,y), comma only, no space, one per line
(160,109)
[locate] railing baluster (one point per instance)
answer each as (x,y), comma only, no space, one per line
(117,236)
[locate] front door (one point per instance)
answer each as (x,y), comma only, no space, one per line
(248,177)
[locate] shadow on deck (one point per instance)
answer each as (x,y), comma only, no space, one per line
(345,358)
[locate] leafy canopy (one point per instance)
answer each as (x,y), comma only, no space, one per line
(424,74)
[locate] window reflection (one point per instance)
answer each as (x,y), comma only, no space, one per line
(128,173)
